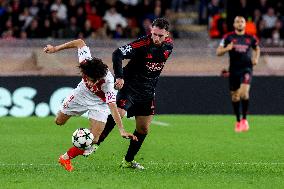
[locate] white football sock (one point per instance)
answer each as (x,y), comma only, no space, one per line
(65,156)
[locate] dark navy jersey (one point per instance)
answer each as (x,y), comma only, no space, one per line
(146,63)
(240,55)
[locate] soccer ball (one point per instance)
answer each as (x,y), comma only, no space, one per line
(82,138)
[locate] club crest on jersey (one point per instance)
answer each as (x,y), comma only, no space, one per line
(247,40)
(234,40)
(125,49)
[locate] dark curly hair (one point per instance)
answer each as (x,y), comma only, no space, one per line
(93,68)
(161,23)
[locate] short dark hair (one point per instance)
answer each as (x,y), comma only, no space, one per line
(162,23)
(93,68)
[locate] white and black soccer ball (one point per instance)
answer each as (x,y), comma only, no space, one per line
(82,138)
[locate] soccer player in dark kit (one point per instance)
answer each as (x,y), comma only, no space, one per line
(242,60)
(137,81)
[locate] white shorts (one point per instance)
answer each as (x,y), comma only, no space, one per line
(79,103)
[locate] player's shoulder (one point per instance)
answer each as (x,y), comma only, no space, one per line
(229,34)
(141,42)
(109,77)
(169,41)
(252,36)
(168,44)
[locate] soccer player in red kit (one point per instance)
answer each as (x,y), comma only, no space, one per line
(239,44)
(95,94)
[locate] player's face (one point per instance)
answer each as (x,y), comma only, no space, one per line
(158,35)
(239,23)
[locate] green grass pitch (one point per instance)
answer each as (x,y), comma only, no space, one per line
(190,152)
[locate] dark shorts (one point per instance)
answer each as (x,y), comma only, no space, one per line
(134,107)
(236,79)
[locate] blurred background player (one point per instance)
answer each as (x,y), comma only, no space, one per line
(137,82)
(95,94)
(239,45)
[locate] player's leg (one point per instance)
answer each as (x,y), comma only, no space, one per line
(96,128)
(144,113)
(109,126)
(70,107)
(123,104)
(97,119)
(235,96)
(244,94)
(61,118)
(142,128)
(234,84)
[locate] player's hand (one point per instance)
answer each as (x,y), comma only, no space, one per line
(49,49)
(254,62)
(118,83)
(230,46)
(126,135)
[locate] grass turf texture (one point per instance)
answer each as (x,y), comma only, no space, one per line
(192,152)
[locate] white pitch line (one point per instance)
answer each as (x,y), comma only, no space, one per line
(159,123)
(220,163)
(26,164)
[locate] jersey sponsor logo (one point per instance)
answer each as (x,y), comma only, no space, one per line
(153,66)
(125,49)
(234,40)
(241,48)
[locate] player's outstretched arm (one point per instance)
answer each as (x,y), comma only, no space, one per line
(117,119)
(221,50)
(255,55)
(78,43)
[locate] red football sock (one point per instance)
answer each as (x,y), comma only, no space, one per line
(74,151)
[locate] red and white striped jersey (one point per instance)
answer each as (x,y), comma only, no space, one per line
(102,89)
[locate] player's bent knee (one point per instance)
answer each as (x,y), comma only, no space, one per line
(245,96)
(59,122)
(236,98)
(95,141)
(143,131)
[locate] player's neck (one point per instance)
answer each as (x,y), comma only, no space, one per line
(240,32)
